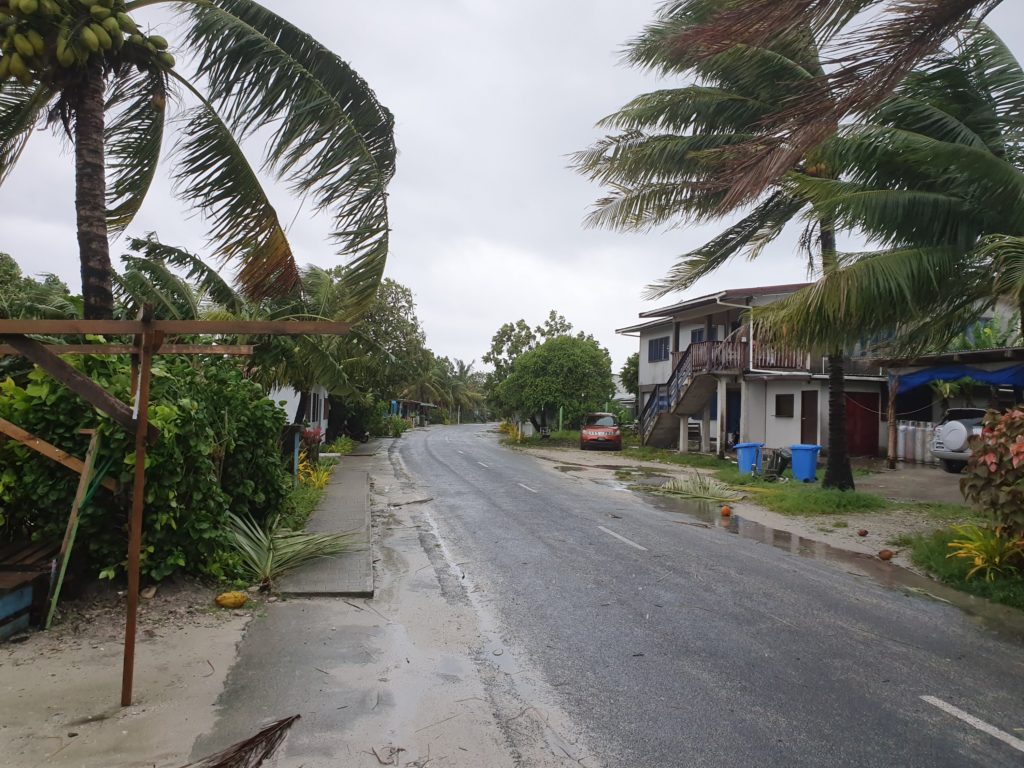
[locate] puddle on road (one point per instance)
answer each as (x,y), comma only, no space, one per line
(1001,619)
(571,468)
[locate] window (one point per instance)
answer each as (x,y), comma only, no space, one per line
(657,350)
(696,335)
(784,406)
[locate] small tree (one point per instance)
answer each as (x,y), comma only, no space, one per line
(630,375)
(568,371)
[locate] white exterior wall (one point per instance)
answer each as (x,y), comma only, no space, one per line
(784,431)
(652,374)
(288,398)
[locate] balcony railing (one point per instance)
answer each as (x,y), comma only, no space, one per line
(706,357)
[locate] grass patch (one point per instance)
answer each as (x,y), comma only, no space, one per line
(302,501)
(664,456)
(929,552)
(567,438)
(807,501)
(902,540)
(948,513)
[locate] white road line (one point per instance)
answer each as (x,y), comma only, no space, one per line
(483,465)
(621,538)
(527,488)
(981,725)
(460,452)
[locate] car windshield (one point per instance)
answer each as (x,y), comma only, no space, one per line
(600,420)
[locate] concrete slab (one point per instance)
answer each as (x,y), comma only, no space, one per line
(913,482)
(344,509)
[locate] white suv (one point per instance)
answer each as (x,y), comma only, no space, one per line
(950,444)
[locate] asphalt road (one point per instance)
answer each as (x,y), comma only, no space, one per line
(676,645)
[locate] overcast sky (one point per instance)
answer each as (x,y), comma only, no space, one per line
(489,99)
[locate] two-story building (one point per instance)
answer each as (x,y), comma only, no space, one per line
(703,380)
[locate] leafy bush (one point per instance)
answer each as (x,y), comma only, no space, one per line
(995,476)
(218,454)
(313,473)
(341,445)
(394,426)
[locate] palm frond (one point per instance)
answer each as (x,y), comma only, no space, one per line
(21,108)
(697,486)
(213,173)
(876,294)
(133,139)
(267,553)
(752,234)
(211,287)
(333,140)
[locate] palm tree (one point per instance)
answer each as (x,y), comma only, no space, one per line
(89,70)
(672,147)
(935,176)
(870,59)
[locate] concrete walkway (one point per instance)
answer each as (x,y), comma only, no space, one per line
(345,509)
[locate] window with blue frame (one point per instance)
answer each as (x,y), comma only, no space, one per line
(657,350)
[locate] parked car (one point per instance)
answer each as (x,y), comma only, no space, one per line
(600,430)
(950,443)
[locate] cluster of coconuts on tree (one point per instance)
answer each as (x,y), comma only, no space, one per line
(51,40)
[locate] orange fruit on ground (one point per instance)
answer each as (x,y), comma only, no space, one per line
(726,511)
(885,554)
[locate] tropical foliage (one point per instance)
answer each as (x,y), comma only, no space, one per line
(90,70)
(994,481)
(933,176)
(218,454)
(669,150)
(269,551)
(871,44)
(565,371)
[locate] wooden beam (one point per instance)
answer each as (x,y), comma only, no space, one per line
(176,327)
(149,343)
(231,350)
(72,528)
(77,382)
(39,445)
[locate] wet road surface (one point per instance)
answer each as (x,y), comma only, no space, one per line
(671,642)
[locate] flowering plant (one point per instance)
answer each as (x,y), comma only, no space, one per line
(994,481)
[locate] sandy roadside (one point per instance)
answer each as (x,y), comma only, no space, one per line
(60,690)
(840,531)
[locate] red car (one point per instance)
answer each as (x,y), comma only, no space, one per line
(600,430)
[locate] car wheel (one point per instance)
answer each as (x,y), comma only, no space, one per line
(583,446)
(953,467)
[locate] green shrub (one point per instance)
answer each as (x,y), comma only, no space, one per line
(931,552)
(394,426)
(994,482)
(218,453)
(341,445)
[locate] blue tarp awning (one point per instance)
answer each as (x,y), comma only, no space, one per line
(1010,376)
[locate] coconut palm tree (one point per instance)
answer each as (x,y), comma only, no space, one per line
(666,161)
(89,70)
(935,177)
(871,44)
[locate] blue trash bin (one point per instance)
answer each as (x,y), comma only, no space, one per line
(748,456)
(805,462)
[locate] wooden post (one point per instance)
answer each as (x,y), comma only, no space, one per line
(894,387)
(72,527)
(135,521)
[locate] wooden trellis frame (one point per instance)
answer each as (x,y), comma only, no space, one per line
(149,336)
